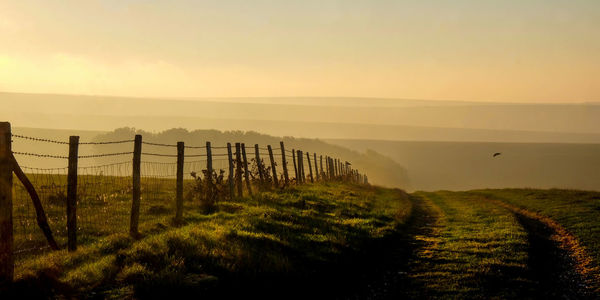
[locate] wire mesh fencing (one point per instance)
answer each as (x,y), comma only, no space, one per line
(106,185)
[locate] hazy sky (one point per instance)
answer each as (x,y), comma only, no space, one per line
(506,50)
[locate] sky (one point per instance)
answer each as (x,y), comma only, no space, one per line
(502,51)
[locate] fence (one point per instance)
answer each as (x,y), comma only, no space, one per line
(79,203)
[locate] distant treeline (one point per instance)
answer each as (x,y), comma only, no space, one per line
(381,170)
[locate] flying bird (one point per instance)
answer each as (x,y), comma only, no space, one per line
(496,154)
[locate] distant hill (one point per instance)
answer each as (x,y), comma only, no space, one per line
(462,166)
(380,169)
(358,118)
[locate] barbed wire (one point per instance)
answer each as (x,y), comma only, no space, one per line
(44,169)
(106,165)
(158,144)
(158,154)
(104,155)
(66,157)
(67,143)
(106,143)
(158,162)
(39,139)
(40,155)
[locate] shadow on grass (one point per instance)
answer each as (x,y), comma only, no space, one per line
(551,267)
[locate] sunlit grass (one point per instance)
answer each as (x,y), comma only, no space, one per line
(283,232)
(578,212)
(476,249)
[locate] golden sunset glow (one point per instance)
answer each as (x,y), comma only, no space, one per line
(512,51)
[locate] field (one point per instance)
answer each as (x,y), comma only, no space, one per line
(282,237)
(335,240)
(460,166)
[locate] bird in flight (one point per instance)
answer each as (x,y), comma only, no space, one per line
(496,154)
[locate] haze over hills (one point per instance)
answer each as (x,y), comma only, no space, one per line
(432,144)
(386,119)
(470,165)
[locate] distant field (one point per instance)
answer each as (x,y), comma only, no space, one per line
(470,165)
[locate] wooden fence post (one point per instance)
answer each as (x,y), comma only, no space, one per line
(209,168)
(286,176)
(327,174)
(310,172)
(7,267)
(273,169)
(72,194)
(321,165)
(136,191)
(230,158)
(246,172)
(179,195)
(316,167)
(332,168)
(295,165)
(259,165)
(301,164)
(238,170)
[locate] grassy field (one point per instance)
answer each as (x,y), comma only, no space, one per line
(103,208)
(576,212)
(292,238)
(474,249)
(505,244)
(340,241)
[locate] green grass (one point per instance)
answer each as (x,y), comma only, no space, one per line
(284,234)
(474,249)
(327,236)
(577,211)
(103,208)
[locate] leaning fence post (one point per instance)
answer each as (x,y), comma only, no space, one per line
(259,165)
(136,192)
(246,172)
(238,170)
(295,165)
(72,194)
(286,177)
(179,195)
(230,159)
(273,169)
(6,206)
(312,180)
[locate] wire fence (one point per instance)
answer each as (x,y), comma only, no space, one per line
(105,191)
